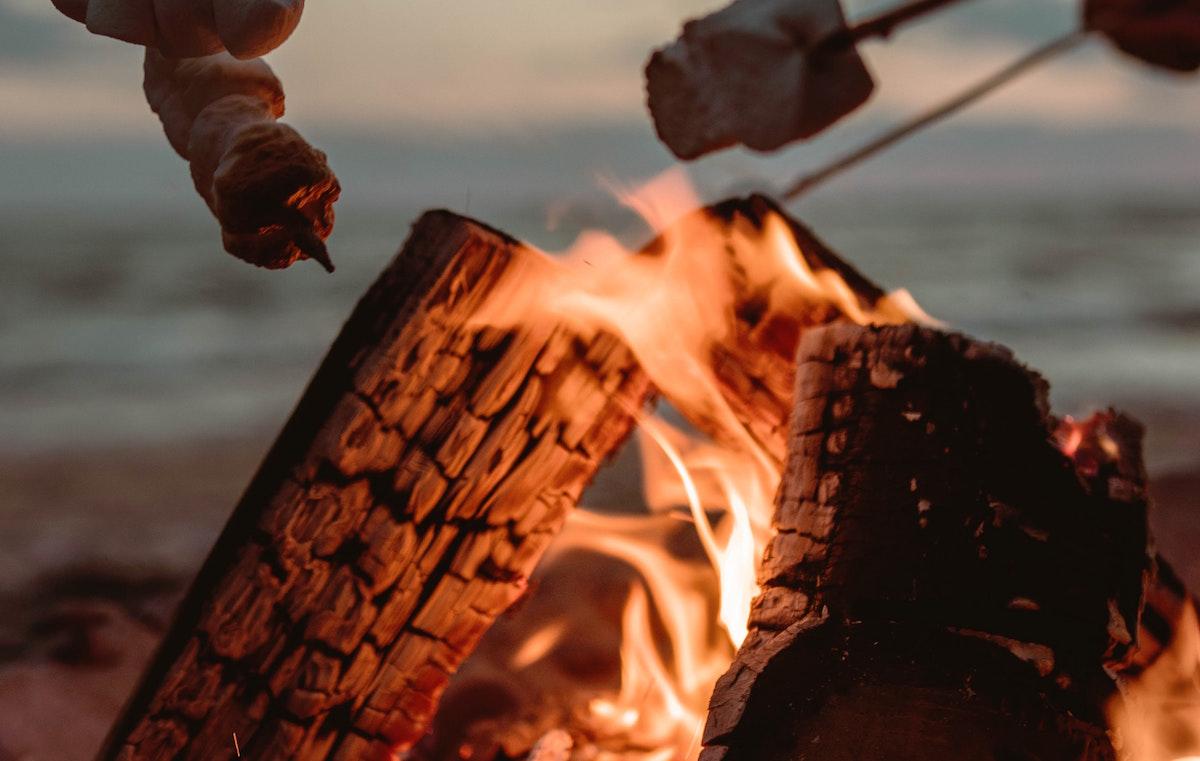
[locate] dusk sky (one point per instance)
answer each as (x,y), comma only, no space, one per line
(491,73)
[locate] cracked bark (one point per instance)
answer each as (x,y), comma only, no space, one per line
(944,581)
(419,479)
(754,363)
(757,372)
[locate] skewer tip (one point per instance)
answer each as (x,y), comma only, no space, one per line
(314,248)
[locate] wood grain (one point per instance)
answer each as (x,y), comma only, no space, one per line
(403,506)
(944,582)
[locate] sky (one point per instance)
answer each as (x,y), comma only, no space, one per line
(386,81)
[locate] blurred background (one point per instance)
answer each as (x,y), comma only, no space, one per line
(144,372)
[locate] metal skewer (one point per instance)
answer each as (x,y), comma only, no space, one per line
(1048,51)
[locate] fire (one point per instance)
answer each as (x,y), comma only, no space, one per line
(1157,716)
(671,305)
(733,557)
(674,304)
(1086,441)
(661,701)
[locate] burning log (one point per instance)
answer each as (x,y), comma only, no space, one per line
(420,477)
(755,367)
(756,371)
(947,580)
(778,283)
(774,280)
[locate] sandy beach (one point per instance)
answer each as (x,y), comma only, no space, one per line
(98,545)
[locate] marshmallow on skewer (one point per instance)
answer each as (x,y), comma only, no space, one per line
(271,191)
(1163,33)
(73,9)
(756,73)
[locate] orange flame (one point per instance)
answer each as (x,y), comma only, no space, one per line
(1156,717)
(670,307)
(683,619)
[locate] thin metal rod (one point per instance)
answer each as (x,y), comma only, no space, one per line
(994,82)
(882,24)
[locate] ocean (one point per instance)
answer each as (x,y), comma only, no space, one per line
(143,372)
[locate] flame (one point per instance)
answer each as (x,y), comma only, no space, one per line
(684,618)
(1156,717)
(671,650)
(733,557)
(671,305)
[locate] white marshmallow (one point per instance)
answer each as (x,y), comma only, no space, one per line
(178,90)
(745,74)
(202,81)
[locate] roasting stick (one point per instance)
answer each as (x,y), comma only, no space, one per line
(884,23)
(1050,50)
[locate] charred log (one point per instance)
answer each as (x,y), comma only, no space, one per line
(756,365)
(500,714)
(401,509)
(757,370)
(945,582)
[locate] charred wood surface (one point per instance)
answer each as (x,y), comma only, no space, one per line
(755,363)
(945,582)
(496,714)
(419,479)
(756,369)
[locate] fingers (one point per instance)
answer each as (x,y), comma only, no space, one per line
(191,28)
(127,20)
(73,9)
(186,28)
(251,28)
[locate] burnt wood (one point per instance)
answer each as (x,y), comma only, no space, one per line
(944,582)
(756,369)
(755,364)
(418,481)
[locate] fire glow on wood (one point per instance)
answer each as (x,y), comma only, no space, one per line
(864,537)
(672,305)
(476,390)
